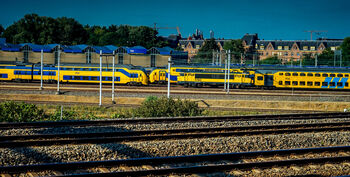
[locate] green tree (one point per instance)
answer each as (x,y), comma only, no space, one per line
(205,53)
(308,60)
(70,32)
(326,57)
(1,29)
(345,48)
(236,47)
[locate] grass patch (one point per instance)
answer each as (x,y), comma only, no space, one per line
(151,107)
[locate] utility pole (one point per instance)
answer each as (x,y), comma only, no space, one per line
(100,103)
(41,69)
(225,72)
(58,70)
(113,77)
(316,60)
(169,65)
(228,76)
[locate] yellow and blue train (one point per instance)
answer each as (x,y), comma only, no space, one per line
(124,74)
(195,76)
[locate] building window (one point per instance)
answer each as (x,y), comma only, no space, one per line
(285,53)
(197,46)
(312,48)
(183,46)
(267,53)
(262,47)
(292,54)
(279,47)
(333,48)
(298,54)
(305,48)
(120,58)
(286,47)
(153,60)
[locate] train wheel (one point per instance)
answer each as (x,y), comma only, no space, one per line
(186,85)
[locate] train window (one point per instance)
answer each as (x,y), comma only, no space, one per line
(281,74)
(287,83)
(302,74)
(85,69)
(346,75)
(317,83)
(85,77)
(340,75)
(324,84)
(332,75)
(295,82)
(310,74)
(340,84)
(287,74)
(317,75)
(332,84)
(346,84)
(260,78)
(309,84)
(295,74)
(94,69)
(69,69)
(94,78)
(302,83)
(324,75)
(280,82)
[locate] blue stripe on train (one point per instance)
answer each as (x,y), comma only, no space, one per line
(3,76)
(89,78)
(172,78)
(328,79)
(343,80)
(45,73)
(335,80)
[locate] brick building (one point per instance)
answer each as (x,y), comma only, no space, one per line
(293,50)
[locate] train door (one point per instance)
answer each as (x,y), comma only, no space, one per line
(162,76)
(268,80)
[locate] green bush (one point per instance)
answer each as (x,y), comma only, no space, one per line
(164,107)
(66,114)
(20,112)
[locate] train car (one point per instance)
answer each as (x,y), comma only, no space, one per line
(160,75)
(123,74)
(303,78)
(200,79)
(74,73)
(26,73)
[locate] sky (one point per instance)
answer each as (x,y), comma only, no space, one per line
(229,19)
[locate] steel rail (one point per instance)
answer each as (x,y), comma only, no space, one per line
(171,131)
(188,159)
(7,125)
(8,141)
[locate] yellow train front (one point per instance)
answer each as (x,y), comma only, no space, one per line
(334,79)
(127,75)
(199,79)
(160,75)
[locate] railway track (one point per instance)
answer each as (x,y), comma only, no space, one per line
(175,90)
(207,163)
(15,125)
(149,135)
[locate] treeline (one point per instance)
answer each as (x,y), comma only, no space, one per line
(36,29)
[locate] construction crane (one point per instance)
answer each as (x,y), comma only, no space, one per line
(155,27)
(315,31)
